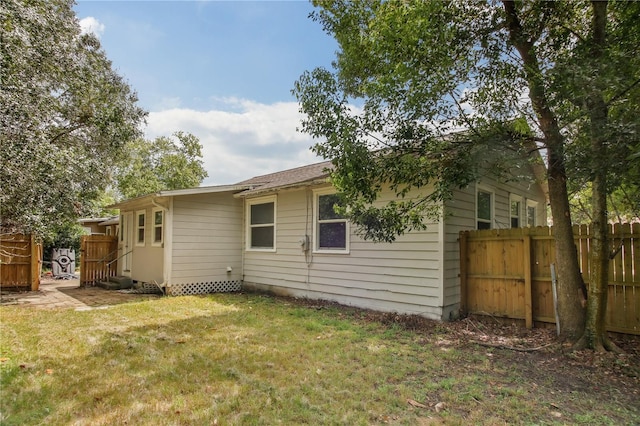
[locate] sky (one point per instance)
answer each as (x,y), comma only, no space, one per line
(222,70)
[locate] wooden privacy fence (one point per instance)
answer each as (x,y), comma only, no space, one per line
(507,273)
(20,262)
(98,258)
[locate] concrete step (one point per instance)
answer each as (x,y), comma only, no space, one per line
(111,285)
(123,281)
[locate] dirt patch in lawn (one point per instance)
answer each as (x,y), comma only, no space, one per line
(96,296)
(554,371)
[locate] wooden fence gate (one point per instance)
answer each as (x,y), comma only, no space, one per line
(507,273)
(20,262)
(98,258)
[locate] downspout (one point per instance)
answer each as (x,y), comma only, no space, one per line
(243,235)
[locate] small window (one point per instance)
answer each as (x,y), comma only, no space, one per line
(140,225)
(331,230)
(484,209)
(532,213)
(123,224)
(515,211)
(261,233)
(158,225)
(108,230)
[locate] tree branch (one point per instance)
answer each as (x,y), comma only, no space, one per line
(585,210)
(463,114)
(621,94)
(512,348)
(66,131)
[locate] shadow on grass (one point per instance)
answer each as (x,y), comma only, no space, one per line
(245,359)
(198,363)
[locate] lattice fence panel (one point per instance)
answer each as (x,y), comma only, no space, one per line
(204,288)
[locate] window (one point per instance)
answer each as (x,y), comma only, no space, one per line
(484,209)
(515,210)
(108,230)
(532,213)
(140,222)
(261,233)
(123,224)
(158,222)
(331,230)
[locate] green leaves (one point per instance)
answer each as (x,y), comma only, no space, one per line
(66,116)
(162,164)
(428,96)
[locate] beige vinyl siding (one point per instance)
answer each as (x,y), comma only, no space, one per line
(460,215)
(206,238)
(403,276)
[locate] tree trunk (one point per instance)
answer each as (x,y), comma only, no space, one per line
(571,298)
(595,334)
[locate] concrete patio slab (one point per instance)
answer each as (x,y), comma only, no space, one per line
(59,294)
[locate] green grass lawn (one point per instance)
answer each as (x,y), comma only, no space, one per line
(251,359)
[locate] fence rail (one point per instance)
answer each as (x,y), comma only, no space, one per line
(98,258)
(20,262)
(507,273)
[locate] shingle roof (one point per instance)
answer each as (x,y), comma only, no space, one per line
(287,178)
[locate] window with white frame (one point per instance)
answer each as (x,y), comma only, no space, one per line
(484,209)
(331,230)
(158,226)
(532,213)
(261,223)
(141,217)
(515,210)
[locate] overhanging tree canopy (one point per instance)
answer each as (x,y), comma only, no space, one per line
(66,116)
(419,70)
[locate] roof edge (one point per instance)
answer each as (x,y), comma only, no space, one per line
(258,191)
(185,191)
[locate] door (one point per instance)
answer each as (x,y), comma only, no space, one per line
(126,239)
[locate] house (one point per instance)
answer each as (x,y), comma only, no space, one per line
(279,233)
(100,225)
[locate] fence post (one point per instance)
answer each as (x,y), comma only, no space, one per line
(463,273)
(528,308)
(34,275)
(83,260)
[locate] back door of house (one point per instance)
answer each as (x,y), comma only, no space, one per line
(127,243)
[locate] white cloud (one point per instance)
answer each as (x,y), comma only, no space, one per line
(91,25)
(241,138)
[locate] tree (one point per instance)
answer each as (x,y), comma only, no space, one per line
(66,116)
(419,71)
(161,164)
(605,127)
(623,202)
